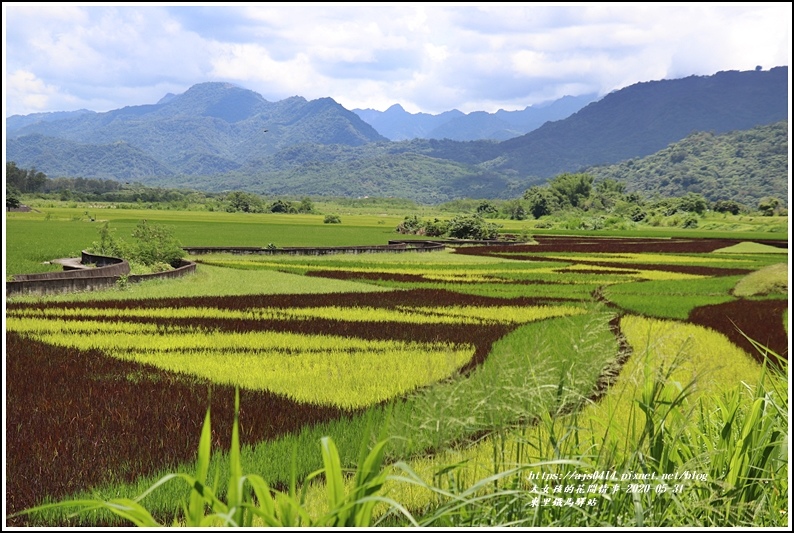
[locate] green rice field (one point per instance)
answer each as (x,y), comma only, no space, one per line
(573,355)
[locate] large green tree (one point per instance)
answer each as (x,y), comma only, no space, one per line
(572,189)
(245,202)
(24,180)
(541,201)
(12,197)
(472,227)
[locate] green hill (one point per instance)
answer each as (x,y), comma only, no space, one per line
(217,136)
(743,166)
(644,118)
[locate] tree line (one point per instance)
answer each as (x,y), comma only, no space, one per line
(20,181)
(567,193)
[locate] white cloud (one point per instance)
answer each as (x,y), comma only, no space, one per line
(428,57)
(25,92)
(251,66)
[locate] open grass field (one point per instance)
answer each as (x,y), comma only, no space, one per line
(615,354)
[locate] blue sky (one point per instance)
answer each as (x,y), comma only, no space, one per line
(428,57)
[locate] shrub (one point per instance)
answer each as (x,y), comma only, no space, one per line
(332,219)
(436,228)
(487,209)
(280,206)
(306,206)
(472,227)
(159,266)
(637,214)
(690,222)
(107,244)
(154,244)
(411,225)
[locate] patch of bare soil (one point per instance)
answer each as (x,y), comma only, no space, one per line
(760,320)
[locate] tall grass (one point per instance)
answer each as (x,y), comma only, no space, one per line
(706,461)
(683,460)
(248,498)
(523,373)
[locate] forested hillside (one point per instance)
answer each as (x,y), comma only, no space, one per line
(218,137)
(211,128)
(644,118)
(744,166)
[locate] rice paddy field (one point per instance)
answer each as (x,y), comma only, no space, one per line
(475,362)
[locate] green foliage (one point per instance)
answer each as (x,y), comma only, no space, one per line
(23,180)
(514,209)
(690,222)
(245,202)
(610,187)
(728,206)
(413,225)
(542,201)
(248,496)
(743,166)
(123,282)
(472,227)
(109,245)
(572,190)
(486,209)
(12,197)
(637,214)
(769,206)
(332,219)
(306,205)
(282,206)
(692,203)
(154,243)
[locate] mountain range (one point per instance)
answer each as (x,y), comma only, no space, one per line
(399,125)
(218,136)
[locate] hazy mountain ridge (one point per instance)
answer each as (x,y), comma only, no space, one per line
(215,120)
(398,125)
(645,117)
(15,122)
(212,136)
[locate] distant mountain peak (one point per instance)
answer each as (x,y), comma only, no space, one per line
(397,124)
(166,98)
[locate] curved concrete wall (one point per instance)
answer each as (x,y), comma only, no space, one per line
(392,247)
(105,271)
(185,267)
(104,275)
(106,267)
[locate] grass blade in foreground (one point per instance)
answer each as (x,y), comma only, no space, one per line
(345,509)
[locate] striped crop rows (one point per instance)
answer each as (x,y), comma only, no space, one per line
(324,369)
(124,383)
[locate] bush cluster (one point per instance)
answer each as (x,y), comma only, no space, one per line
(153,246)
(460,227)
